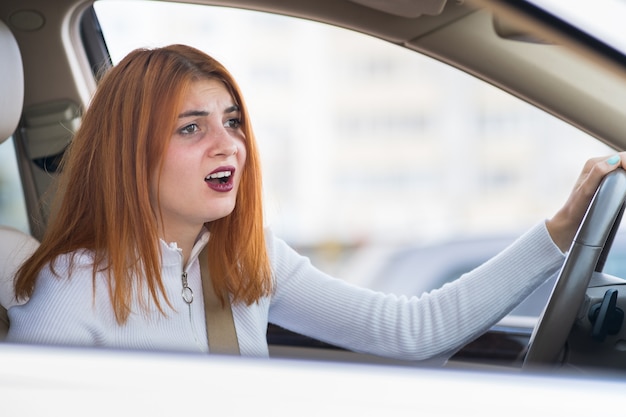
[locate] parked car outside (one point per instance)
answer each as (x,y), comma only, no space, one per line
(414,270)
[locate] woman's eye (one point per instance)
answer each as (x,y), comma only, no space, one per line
(191,128)
(233,123)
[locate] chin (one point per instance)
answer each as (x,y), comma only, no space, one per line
(221,212)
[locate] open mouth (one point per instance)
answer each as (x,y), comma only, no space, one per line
(221,180)
(220,177)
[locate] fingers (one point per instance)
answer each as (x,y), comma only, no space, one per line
(614,160)
(609,163)
(563,225)
(604,164)
(596,168)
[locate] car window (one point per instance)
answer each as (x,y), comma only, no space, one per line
(370,149)
(603,18)
(12,205)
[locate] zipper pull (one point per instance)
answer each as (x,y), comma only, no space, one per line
(187,293)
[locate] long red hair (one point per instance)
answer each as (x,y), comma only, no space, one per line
(103,202)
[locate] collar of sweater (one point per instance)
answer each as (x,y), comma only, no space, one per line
(172,255)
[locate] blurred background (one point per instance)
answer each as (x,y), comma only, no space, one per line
(368,150)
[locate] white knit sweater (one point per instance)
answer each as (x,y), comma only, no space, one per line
(65,312)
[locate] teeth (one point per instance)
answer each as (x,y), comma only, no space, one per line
(217,175)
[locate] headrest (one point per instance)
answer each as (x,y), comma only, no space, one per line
(11,83)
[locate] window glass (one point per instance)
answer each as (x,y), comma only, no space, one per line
(12,205)
(370,150)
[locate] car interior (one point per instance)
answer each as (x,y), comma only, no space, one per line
(51,53)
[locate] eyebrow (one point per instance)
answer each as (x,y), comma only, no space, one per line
(232,109)
(193,113)
(197,113)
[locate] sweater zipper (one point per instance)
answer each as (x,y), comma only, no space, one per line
(187,294)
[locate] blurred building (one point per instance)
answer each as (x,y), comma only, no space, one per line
(362,140)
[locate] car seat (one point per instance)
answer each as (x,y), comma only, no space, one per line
(15,246)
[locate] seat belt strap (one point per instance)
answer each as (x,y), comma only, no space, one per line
(220,325)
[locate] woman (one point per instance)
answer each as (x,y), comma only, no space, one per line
(164,163)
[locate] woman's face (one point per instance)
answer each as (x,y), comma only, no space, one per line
(203,161)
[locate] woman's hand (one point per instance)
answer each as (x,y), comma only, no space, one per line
(563,226)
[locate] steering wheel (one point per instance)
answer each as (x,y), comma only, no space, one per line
(587,253)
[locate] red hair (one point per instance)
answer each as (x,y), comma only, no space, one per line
(103,204)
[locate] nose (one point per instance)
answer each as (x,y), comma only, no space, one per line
(223,143)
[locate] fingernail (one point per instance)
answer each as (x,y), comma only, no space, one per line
(613,160)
